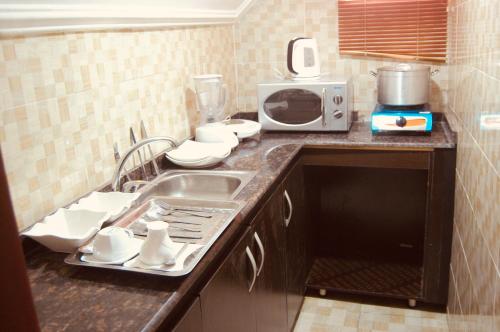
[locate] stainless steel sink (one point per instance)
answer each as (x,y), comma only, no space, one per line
(199,184)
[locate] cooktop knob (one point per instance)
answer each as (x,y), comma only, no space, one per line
(338,99)
(338,114)
(401,122)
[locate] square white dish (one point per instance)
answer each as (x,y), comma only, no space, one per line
(66,230)
(114,203)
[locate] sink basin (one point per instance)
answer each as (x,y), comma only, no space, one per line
(199,184)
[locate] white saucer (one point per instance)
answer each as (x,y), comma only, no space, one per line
(182,251)
(134,251)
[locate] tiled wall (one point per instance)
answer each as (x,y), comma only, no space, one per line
(262,38)
(65,98)
(474,92)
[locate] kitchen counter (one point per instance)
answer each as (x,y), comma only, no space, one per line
(81,299)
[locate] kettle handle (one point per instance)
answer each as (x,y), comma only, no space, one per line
(289,55)
(435,71)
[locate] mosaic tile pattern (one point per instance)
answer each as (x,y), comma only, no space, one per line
(322,315)
(65,98)
(474,85)
(262,38)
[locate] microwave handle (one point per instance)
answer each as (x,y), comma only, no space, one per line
(323,118)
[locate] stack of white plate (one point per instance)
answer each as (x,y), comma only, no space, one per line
(193,154)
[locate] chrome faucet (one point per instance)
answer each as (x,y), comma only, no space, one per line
(115,181)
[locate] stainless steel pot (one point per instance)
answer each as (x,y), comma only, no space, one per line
(403,84)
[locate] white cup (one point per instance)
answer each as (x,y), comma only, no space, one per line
(158,248)
(112,243)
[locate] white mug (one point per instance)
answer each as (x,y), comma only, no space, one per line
(112,243)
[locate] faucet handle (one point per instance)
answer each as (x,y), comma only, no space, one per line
(133,186)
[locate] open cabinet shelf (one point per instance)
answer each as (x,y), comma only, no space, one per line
(363,276)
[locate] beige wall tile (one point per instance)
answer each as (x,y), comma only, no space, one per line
(473,49)
(65,98)
(263,36)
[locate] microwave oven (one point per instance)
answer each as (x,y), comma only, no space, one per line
(315,105)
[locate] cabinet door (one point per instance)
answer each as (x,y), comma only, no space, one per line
(298,254)
(269,247)
(227,299)
(191,320)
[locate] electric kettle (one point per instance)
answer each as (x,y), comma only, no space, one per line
(303,59)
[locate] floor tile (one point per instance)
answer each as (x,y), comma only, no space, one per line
(318,315)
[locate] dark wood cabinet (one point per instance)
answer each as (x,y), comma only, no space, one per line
(248,292)
(298,253)
(227,301)
(191,320)
(269,241)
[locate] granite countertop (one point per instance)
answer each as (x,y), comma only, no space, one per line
(80,299)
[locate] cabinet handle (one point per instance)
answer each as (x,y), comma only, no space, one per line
(289,202)
(323,118)
(261,248)
(254,268)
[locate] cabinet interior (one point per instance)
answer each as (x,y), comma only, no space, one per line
(368,229)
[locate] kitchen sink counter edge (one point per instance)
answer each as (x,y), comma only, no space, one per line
(78,298)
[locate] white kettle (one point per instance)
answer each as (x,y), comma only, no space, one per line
(303,58)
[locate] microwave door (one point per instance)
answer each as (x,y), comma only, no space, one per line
(293,107)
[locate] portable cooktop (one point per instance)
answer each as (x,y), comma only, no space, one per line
(401,118)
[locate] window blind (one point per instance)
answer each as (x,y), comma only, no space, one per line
(401,29)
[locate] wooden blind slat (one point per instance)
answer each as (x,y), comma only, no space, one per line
(401,29)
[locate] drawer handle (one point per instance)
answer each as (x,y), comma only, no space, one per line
(254,268)
(323,118)
(289,202)
(261,248)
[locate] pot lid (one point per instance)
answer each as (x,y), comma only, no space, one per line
(405,67)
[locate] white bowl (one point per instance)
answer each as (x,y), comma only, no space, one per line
(114,203)
(66,230)
(216,133)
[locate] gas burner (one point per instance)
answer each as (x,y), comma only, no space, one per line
(415,119)
(412,108)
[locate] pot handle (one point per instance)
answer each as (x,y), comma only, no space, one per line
(435,72)
(374,74)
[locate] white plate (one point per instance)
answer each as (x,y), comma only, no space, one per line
(66,230)
(243,128)
(114,203)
